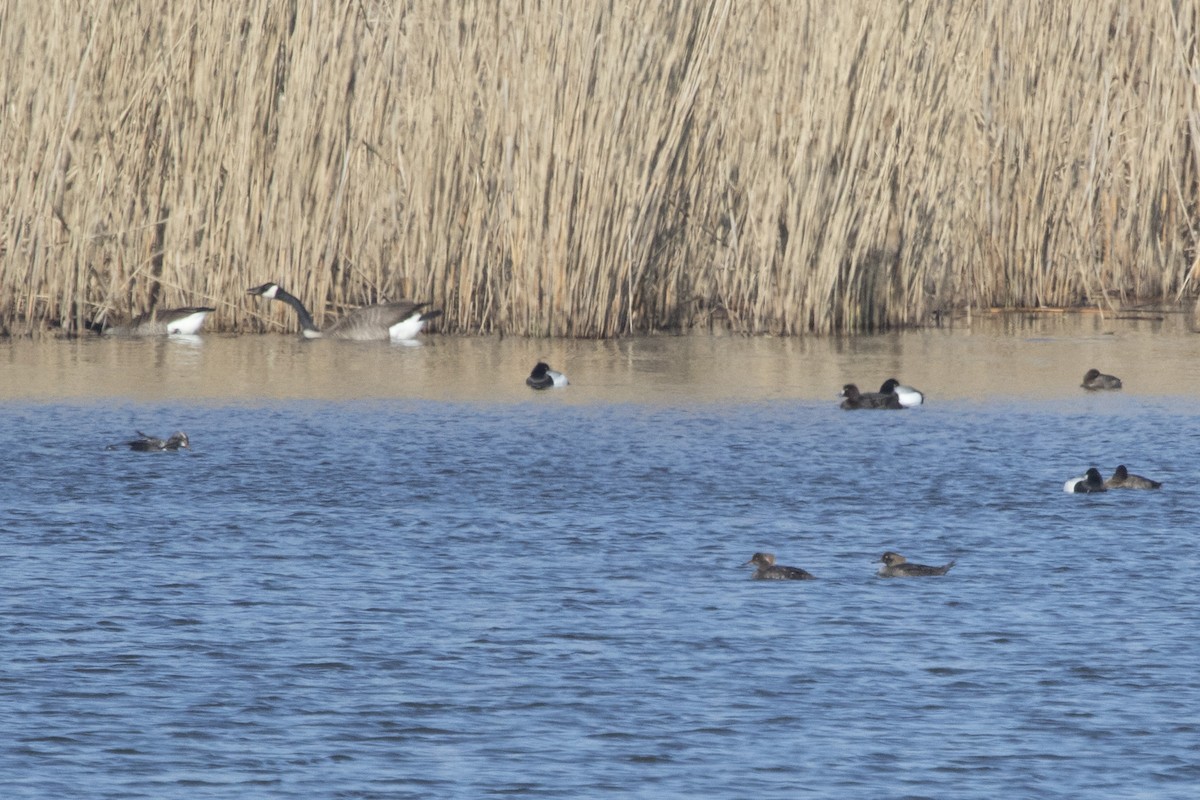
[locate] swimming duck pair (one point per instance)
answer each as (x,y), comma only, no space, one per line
(1091,482)
(894,566)
(151,444)
(892,394)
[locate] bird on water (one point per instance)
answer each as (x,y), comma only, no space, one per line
(152,444)
(768,570)
(398,321)
(897,566)
(163,322)
(543,377)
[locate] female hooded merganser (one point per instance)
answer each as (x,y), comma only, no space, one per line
(895,566)
(398,321)
(1121,479)
(543,377)
(1089,483)
(856,399)
(907,395)
(1095,379)
(151,444)
(769,571)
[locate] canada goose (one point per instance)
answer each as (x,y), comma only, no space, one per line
(163,322)
(1089,483)
(397,321)
(147,444)
(1095,379)
(543,377)
(768,570)
(856,399)
(896,566)
(907,395)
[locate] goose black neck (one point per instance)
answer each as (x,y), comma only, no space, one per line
(306,320)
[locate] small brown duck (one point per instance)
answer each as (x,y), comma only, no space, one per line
(151,444)
(895,566)
(1122,479)
(1095,379)
(856,399)
(768,570)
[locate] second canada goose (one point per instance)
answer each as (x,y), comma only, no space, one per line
(397,321)
(163,322)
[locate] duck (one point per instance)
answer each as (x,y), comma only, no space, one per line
(543,377)
(399,321)
(856,399)
(151,444)
(896,566)
(1095,379)
(1088,483)
(1122,479)
(907,395)
(163,322)
(768,570)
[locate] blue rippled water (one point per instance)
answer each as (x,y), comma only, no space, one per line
(414,599)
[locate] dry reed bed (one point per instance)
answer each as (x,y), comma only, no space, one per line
(593,169)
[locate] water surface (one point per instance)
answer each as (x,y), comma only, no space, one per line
(390,571)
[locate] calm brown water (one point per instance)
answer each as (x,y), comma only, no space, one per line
(998,356)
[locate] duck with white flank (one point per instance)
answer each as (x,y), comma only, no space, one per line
(896,566)
(1089,483)
(151,444)
(398,321)
(1123,479)
(907,395)
(1094,379)
(768,570)
(543,377)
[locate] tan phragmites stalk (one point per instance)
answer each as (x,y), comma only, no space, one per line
(597,168)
